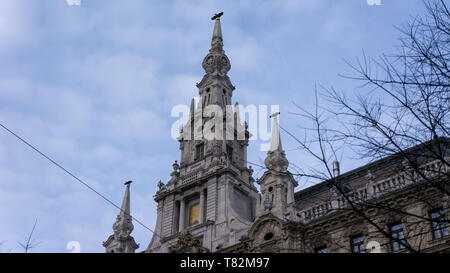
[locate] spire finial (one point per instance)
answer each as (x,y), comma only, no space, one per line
(237,114)
(276,158)
(216,62)
(125,209)
(217,40)
(275,142)
(121,240)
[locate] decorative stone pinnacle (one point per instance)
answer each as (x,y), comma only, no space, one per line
(175,166)
(123,226)
(276,158)
(275,142)
(216,62)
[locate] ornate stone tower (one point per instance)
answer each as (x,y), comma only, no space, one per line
(121,241)
(210,197)
(277,184)
(276,227)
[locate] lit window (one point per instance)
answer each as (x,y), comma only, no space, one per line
(438,225)
(194,212)
(357,244)
(322,249)
(396,232)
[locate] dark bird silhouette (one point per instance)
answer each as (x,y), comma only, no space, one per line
(217,15)
(128,182)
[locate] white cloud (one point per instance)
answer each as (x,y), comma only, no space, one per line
(181,88)
(120,78)
(247,53)
(105,152)
(340,26)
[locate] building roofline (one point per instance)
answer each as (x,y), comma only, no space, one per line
(360,171)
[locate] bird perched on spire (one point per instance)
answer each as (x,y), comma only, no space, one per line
(217,16)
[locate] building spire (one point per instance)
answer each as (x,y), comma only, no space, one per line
(216,62)
(121,241)
(125,209)
(280,202)
(123,226)
(217,40)
(275,142)
(276,158)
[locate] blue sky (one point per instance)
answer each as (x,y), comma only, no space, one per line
(93,86)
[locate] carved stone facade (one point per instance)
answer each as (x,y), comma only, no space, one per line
(188,244)
(210,203)
(325,223)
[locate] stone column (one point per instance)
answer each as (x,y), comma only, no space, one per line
(181,222)
(202,207)
(245,155)
(290,194)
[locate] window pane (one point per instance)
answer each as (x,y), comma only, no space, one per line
(358,244)
(437,234)
(199,151)
(396,231)
(394,246)
(194,214)
(439,228)
(230,152)
(321,249)
(435,225)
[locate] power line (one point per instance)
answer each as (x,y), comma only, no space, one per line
(74,176)
(80,180)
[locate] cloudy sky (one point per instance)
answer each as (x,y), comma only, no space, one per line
(93,87)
